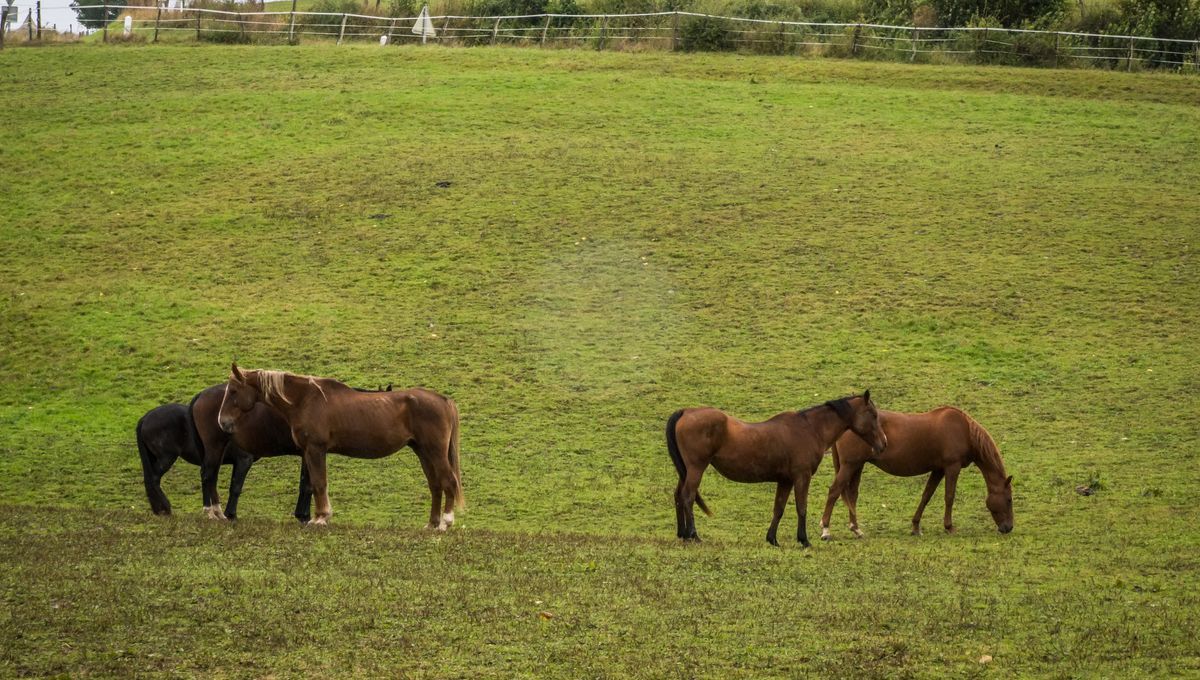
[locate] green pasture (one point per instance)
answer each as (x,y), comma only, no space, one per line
(573,245)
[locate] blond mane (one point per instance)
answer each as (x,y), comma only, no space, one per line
(272,385)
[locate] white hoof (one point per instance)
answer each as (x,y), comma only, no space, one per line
(319,522)
(213,512)
(825,535)
(856,531)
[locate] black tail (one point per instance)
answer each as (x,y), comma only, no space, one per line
(159,504)
(677,459)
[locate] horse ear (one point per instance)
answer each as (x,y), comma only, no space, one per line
(867,396)
(236,373)
(1008,482)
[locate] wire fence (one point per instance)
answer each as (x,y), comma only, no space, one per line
(688,31)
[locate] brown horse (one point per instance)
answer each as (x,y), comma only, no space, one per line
(785,449)
(941,442)
(326,416)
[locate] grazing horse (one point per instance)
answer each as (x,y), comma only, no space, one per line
(941,442)
(785,449)
(325,416)
(174,431)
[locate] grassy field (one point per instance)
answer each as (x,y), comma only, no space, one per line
(621,235)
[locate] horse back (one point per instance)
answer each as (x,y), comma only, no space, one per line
(917,442)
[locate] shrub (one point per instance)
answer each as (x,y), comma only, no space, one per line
(705,34)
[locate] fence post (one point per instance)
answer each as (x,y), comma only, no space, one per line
(391,29)
(1129,62)
(675,32)
(603,32)
(241,28)
(342,31)
(1056,49)
(198,15)
(292,25)
(3,23)
(29,24)
(445,26)
(157,18)
(544,29)
(854,40)
(495,30)
(104,20)
(913,57)
(39,19)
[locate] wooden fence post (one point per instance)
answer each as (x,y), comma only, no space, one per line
(1056,49)
(1129,62)
(982,44)
(29,24)
(603,32)
(544,29)
(342,31)
(292,25)
(241,28)
(391,29)
(39,19)
(913,40)
(445,25)
(157,18)
(104,20)
(3,23)
(198,15)
(495,30)
(854,40)
(675,32)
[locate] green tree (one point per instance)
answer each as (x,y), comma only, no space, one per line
(93,15)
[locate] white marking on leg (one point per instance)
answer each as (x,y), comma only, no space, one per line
(214,511)
(825,535)
(448,518)
(857,532)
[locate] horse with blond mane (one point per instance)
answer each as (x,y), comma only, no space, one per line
(940,442)
(326,416)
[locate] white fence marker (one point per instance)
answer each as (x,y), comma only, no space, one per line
(424,25)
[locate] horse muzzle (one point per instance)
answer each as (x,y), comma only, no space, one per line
(226,425)
(1007,528)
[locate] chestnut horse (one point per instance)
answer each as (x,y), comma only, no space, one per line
(326,416)
(941,442)
(174,431)
(785,449)
(262,433)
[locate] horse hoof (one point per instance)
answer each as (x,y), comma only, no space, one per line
(773,542)
(303,519)
(857,533)
(319,522)
(214,512)
(950,530)
(916,532)
(826,537)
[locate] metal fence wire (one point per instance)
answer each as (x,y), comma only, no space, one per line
(689,31)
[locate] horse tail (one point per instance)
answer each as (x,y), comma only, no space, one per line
(677,458)
(460,499)
(159,504)
(983,444)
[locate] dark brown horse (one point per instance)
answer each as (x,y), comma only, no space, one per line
(785,449)
(326,416)
(174,431)
(941,442)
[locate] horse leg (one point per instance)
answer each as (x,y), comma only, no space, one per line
(851,497)
(210,468)
(782,491)
(435,492)
(446,484)
(802,508)
(304,497)
(691,486)
(840,480)
(935,478)
(153,469)
(314,458)
(680,515)
(241,465)
(951,484)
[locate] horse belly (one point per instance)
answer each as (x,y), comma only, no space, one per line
(764,469)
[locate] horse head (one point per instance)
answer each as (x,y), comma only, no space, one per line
(999,503)
(864,422)
(241,394)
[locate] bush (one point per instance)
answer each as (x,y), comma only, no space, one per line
(705,34)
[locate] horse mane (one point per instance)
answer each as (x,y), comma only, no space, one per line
(271,383)
(839,406)
(984,445)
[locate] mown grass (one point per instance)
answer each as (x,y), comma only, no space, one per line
(622,235)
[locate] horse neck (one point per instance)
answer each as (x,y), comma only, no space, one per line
(297,389)
(827,423)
